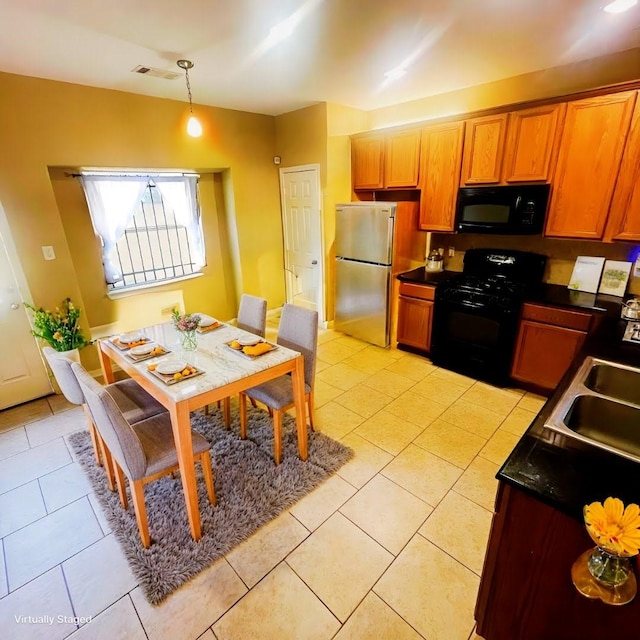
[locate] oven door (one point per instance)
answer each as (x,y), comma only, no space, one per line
(474,339)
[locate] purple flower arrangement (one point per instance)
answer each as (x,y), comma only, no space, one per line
(185,322)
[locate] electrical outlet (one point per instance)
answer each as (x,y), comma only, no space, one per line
(48,253)
(452,252)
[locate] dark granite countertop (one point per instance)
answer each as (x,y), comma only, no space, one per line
(551,294)
(422,276)
(561,296)
(566,473)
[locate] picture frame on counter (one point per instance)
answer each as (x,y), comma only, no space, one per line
(615,277)
(586,274)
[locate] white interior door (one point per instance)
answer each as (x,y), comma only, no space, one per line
(301,221)
(23,376)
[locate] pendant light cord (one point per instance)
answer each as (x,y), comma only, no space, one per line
(186,73)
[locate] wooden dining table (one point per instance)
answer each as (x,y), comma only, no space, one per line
(225,372)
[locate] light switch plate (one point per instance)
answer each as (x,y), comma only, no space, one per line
(48,253)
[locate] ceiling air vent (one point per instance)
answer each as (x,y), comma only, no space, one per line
(156,73)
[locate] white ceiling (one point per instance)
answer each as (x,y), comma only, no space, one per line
(338,52)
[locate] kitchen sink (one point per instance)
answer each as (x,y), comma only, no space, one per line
(616,382)
(612,423)
(601,406)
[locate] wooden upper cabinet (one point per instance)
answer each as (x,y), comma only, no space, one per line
(402,158)
(624,216)
(591,147)
(367,158)
(532,141)
(441,157)
(483,149)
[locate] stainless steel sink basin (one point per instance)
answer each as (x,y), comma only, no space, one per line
(615,382)
(612,423)
(601,406)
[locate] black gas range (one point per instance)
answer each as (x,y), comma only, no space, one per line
(476,314)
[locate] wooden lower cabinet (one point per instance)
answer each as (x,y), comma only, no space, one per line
(415,315)
(548,340)
(526,591)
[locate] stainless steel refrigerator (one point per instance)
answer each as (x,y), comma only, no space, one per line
(364,249)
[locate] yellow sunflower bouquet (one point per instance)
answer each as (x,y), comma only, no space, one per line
(613,527)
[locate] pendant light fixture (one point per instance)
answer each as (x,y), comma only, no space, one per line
(194,128)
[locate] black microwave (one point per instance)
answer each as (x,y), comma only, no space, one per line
(514,210)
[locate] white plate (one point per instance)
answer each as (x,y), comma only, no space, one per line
(249,342)
(205,320)
(171,366)
(127,338)
(143,349)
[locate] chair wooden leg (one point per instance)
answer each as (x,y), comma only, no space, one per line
(226,411)
(108,464)
(277,435)
(122,489)
(93,432)
(206,409)
(310,409)
(207,472)
(242,399)
(137,496)
(254,404)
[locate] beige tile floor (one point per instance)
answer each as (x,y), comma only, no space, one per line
(391,546)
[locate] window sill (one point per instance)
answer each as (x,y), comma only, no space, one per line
(132,291)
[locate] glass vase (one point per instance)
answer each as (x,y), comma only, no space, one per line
(609,569)
(189,340)
(601,574)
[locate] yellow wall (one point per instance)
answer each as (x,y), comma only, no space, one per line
(580,76)
(46,125)
(320,135)
(341,123)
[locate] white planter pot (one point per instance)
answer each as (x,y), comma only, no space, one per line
(72,354)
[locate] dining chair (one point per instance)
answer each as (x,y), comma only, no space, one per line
(252,314)
(252,317)
(143,451)
(298,330)
(134,402)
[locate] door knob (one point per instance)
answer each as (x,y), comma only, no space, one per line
(15,306)
(314,262)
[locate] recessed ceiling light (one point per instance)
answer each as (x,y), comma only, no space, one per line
(618,6)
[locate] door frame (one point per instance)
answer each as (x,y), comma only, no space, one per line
(12,253)
(320,302)
(6,239)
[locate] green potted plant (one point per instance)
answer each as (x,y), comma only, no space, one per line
(60,327)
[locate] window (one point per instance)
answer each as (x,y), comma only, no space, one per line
(149,226)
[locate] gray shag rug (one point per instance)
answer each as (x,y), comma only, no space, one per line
(250,490)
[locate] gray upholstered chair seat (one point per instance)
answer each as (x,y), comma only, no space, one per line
(158,445)
(252,314)
(143,451)
(252,317)
(134,402)
(277,393)
(298,331)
